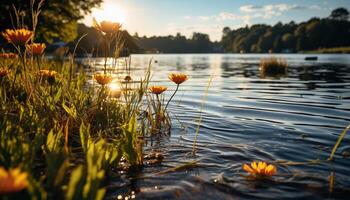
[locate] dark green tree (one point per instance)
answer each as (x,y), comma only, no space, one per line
(340,14)
(57,20)
(288,40)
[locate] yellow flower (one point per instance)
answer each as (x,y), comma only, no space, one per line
(103,79)
(178,78)
(8,55)
(3,72)
(36,49)
(49,75)
(12,181)
(260,169)
(107,27)
(157,89)
(17,36)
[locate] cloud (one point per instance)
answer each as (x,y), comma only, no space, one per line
(205,18)
(269,8)
(250,8)
(226,16)
(315,7)
(273,10)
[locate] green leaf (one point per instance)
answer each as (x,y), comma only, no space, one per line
(84,136)
(76,183)
(71,111)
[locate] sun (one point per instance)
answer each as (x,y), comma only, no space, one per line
(110,12)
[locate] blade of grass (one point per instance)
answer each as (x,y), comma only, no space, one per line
(200,115)
(186,166)
(342,135)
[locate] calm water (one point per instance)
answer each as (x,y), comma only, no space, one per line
(295,118)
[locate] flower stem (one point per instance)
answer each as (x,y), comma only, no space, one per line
(177,87)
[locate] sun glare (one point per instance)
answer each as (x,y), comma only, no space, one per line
(110,12)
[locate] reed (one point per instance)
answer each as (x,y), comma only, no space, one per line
(273,67)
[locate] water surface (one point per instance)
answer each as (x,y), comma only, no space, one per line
(245,118)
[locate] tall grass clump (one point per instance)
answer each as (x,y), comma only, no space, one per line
(59,135)
(273,67)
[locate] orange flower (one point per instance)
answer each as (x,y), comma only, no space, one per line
(157,89)
(178,78)
(260,169)
(49,75)
(12,181)
(3,72)
(8,55)
(36,49)
(107,27)
(103,79)
(17,36)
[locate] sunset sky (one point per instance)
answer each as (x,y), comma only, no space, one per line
(164,17)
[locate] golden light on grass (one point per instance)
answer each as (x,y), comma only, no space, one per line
(114,90)
(3,72)
(36,49)
(49,75)
(157,89)
(260,169)
(178,78)
(17,36)
(8,55)
(103,79)
(12,181)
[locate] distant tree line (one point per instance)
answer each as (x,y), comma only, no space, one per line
(198,43)
(316,33)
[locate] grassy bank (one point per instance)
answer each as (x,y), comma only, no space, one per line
(62,137)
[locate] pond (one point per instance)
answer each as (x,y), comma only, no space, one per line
(295,118)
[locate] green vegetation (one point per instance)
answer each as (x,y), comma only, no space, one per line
(67,135)
(313,34)
(61,136)
(330,50)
